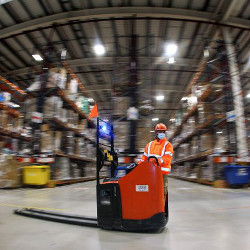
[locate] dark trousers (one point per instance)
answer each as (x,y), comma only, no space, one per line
(165,185)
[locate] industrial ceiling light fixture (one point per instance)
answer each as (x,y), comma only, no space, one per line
(171,60)
(37,57)
(99,49)
(206,53)
(159,97)
(63,54)
(155,119)
(171,49)
(4,1)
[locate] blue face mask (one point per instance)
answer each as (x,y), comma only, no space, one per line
(161,135)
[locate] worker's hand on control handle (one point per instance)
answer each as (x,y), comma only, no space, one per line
(154,160)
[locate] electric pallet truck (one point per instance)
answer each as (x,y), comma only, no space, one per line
(134,202)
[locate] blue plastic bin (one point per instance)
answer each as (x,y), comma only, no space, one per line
(236,174)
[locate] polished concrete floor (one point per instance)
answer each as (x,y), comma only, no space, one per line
(201,218)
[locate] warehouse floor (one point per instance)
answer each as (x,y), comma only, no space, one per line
(201,217)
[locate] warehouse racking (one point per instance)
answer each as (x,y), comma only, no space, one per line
(204,129)
(55,125)
(67,164)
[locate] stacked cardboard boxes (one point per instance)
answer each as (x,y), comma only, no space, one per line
(62,168)
(10,172)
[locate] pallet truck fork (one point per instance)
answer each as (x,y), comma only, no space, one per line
(134,202)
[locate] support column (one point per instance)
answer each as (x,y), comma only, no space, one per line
(133,90)
(242,150)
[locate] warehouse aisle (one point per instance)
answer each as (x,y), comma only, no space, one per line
(201,217)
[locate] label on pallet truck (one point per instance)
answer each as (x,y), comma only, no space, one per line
(141,188)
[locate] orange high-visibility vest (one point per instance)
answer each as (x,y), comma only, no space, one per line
(163,151)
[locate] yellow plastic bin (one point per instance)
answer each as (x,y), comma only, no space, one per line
(36,175)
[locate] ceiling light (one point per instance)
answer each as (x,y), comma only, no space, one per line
(37,57)
(248,95)
(99,49)
(4,1)
(184,98)
(159,97)
(171,60)
(171,49)
(219,132)
(152,131)
(172,120)
(63,54)
(155,119)
(206,53)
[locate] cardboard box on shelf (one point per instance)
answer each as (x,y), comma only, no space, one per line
(47,141)
(52,78)
(62,168)
(70,141)
(45,127)
(25,148)
(90,150)
(4,120)
(49,107)
(70,117)
(121,106)
(190,126)
(19,124)
(14,146)
(78,146)
(207,142)
(62,78)
(75,171)
(75,120)
(89,170)
(58,139)
(57,77)
(82,124)
(191,101)
(205,112)
(206,171)
(10,172)
(197,171)
(64,115)
(73,87)
(194,146)
(184,150)
(30,106)
(221,143)
(219,108)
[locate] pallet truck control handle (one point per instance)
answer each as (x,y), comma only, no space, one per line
(153,157)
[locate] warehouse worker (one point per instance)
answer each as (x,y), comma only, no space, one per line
(162,150)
